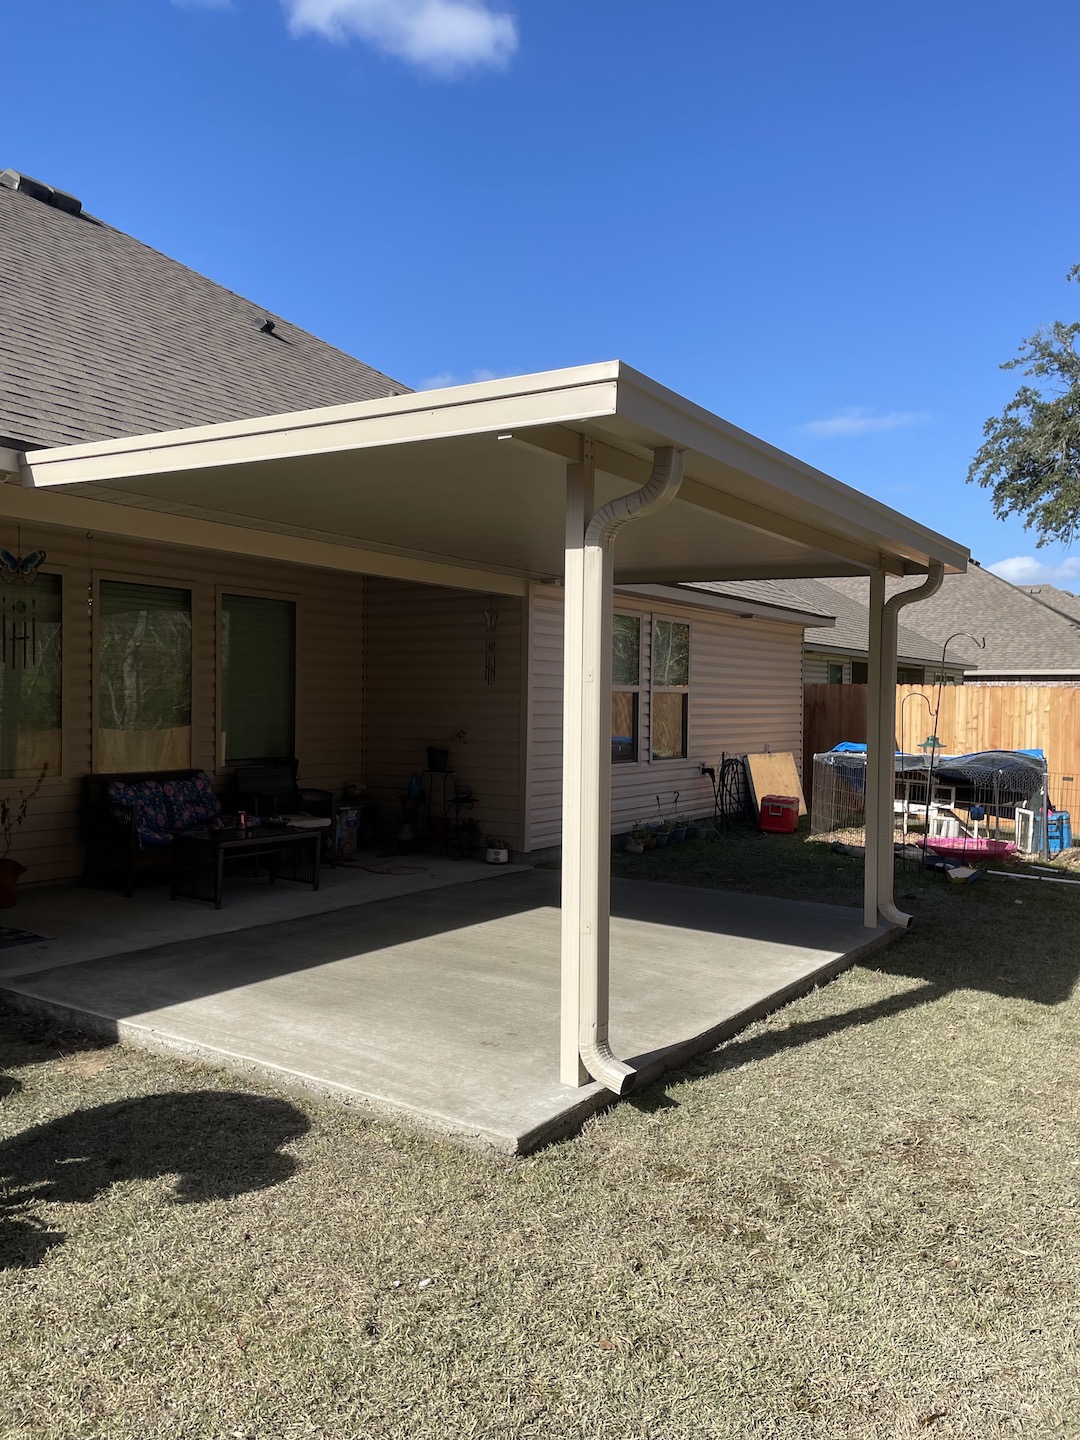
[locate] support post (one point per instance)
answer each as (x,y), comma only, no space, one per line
(874,688)
(586,868)
(580,500)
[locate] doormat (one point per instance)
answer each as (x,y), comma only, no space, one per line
(9,936)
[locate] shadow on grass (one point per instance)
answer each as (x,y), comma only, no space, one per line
(218,1143)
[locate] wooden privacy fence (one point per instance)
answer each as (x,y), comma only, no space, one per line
(972,718)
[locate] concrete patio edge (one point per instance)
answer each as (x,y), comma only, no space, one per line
(589,1101)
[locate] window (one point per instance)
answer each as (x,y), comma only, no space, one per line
(670,689)
(907,675)
(625,687)
(860,672)
(30,675)
(258,678)
(836,674)
(144,677)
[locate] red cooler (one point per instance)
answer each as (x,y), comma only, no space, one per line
(779,814)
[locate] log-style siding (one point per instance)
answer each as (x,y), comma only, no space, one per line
(329,671)
(745,695)
(426,650)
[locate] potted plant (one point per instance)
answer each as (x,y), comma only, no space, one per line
(438,755)
(661,835)
(497,852)
(679,827)
(13,811)
(635,841)
(698,831)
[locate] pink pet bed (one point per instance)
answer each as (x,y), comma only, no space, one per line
(966,848)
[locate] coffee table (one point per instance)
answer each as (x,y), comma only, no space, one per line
(279,851)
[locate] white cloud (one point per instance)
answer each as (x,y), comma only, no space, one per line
(446,378)
(1027,570)
(857,420)
(445,36)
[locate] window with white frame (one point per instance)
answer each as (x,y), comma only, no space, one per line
(668,685)
(625,687)
(669,712)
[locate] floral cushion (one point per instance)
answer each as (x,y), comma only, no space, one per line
(190,803)
(147,800)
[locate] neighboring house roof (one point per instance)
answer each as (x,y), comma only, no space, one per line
(851,633)
(1024,636)
(1063,601)
(100,336)
(781,595)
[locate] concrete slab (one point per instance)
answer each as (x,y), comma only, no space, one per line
(83,924)
(442,1008)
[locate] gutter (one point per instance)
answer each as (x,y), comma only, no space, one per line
(661,488)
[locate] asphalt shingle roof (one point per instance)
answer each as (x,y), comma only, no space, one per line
(848,601)
(100,336)
(763,592)
(1062,600)
(1022,634)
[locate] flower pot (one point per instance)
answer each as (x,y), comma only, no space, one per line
(10,870)
(662,837)
(633,847)
(496,857)
(678,835)
(698,832)
(438,759)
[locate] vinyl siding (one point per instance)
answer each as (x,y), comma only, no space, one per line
(329,672)
(745,694)
(425,680)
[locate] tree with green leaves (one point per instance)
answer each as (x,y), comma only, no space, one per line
(1030,455)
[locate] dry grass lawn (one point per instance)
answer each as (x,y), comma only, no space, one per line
(857,1219)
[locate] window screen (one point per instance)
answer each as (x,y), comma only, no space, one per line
(625,687)
(258,678)
(30,676)
(671,693)
(144,677)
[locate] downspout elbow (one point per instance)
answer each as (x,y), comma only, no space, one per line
(930,586)
(659,490)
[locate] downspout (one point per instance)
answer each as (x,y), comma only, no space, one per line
(887,734)
(660,489)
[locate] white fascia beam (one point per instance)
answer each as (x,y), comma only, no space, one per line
(643,402)
(611,460)
(557,399)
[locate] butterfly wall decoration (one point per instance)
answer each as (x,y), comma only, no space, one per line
(20,567)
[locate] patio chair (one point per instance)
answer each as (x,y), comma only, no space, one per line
(272,788)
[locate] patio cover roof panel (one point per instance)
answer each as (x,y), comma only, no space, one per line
(477,473)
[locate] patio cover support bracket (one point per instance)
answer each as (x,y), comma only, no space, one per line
(879,880)
(586,851)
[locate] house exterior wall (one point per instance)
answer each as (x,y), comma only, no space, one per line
(745,694)
(816,668)
(329,671)
(426,656)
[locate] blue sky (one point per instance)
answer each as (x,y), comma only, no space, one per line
(828,223)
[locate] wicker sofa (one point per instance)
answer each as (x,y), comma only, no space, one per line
(129,821)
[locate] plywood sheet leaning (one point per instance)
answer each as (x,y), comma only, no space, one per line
(773,775)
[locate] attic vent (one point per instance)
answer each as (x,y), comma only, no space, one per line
(38,190)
